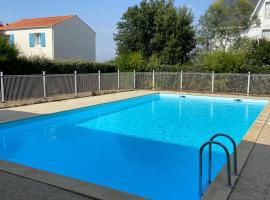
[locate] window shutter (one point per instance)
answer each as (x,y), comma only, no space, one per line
(43,41)
(11,39)
(31,39)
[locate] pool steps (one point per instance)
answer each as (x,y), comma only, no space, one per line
(210,143)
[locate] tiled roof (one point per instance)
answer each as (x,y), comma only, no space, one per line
(36,23)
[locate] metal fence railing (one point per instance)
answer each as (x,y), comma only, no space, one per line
(26,89)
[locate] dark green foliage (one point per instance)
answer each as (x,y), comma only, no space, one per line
(157,27)
(259,53)
(7,52)
(245,56)
(37,65)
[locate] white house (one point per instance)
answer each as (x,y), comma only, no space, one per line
(60,38)
(262,29)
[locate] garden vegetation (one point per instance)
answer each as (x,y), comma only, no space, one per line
(157,35)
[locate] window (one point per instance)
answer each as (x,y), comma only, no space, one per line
(10,38)
(267,10)
(266,34)
(37,39)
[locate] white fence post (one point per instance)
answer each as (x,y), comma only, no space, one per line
(248,85)
(153,86)
(118,80)
(2,88)
(134,80)
(99,84)
(44,84)
(213,81)
(181,81)
(75,84)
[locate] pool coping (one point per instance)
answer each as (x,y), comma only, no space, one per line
(216,190)
(69,184)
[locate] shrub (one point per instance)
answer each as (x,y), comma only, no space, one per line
(259,53)
(130,62)
(223,62)
(7,52)
(36,65)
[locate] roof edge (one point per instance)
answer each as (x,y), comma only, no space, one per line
(256,8)
(7,28)
(15,29)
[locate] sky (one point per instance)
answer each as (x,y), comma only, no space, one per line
(101,15)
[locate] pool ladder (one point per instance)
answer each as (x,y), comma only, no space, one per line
(210,143)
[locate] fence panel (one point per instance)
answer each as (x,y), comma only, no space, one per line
(260,84)
(233,83)
(1,91)
(23,88)
(60,86)
(167,81)
(126,80)
(87,84)
(197,81)
(144,80)
(109,81)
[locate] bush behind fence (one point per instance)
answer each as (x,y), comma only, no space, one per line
(27,89)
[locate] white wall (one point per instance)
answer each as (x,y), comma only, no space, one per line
(21,40)
(74,40)
(256,31)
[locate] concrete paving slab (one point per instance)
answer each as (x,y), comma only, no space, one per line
(254,182)
(18,188)
(64,195)
(249,195)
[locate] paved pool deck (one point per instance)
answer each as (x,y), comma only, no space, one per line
(13,187)
(254,157)
(254,181)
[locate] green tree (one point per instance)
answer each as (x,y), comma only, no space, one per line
(165,21)
(182,40)
(7,52)
(157,27)
(136,28)
(259,53)
(222,23)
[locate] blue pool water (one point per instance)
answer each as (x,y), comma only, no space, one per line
(147,146)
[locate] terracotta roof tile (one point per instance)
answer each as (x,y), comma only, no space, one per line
(35,23)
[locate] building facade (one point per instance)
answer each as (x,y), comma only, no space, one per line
(57,38)
(261,29)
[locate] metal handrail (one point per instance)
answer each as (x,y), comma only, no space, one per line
(201,167)
(210,155)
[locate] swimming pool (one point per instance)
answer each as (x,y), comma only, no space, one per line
(147,146)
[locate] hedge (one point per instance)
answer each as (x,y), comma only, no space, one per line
(37,65)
